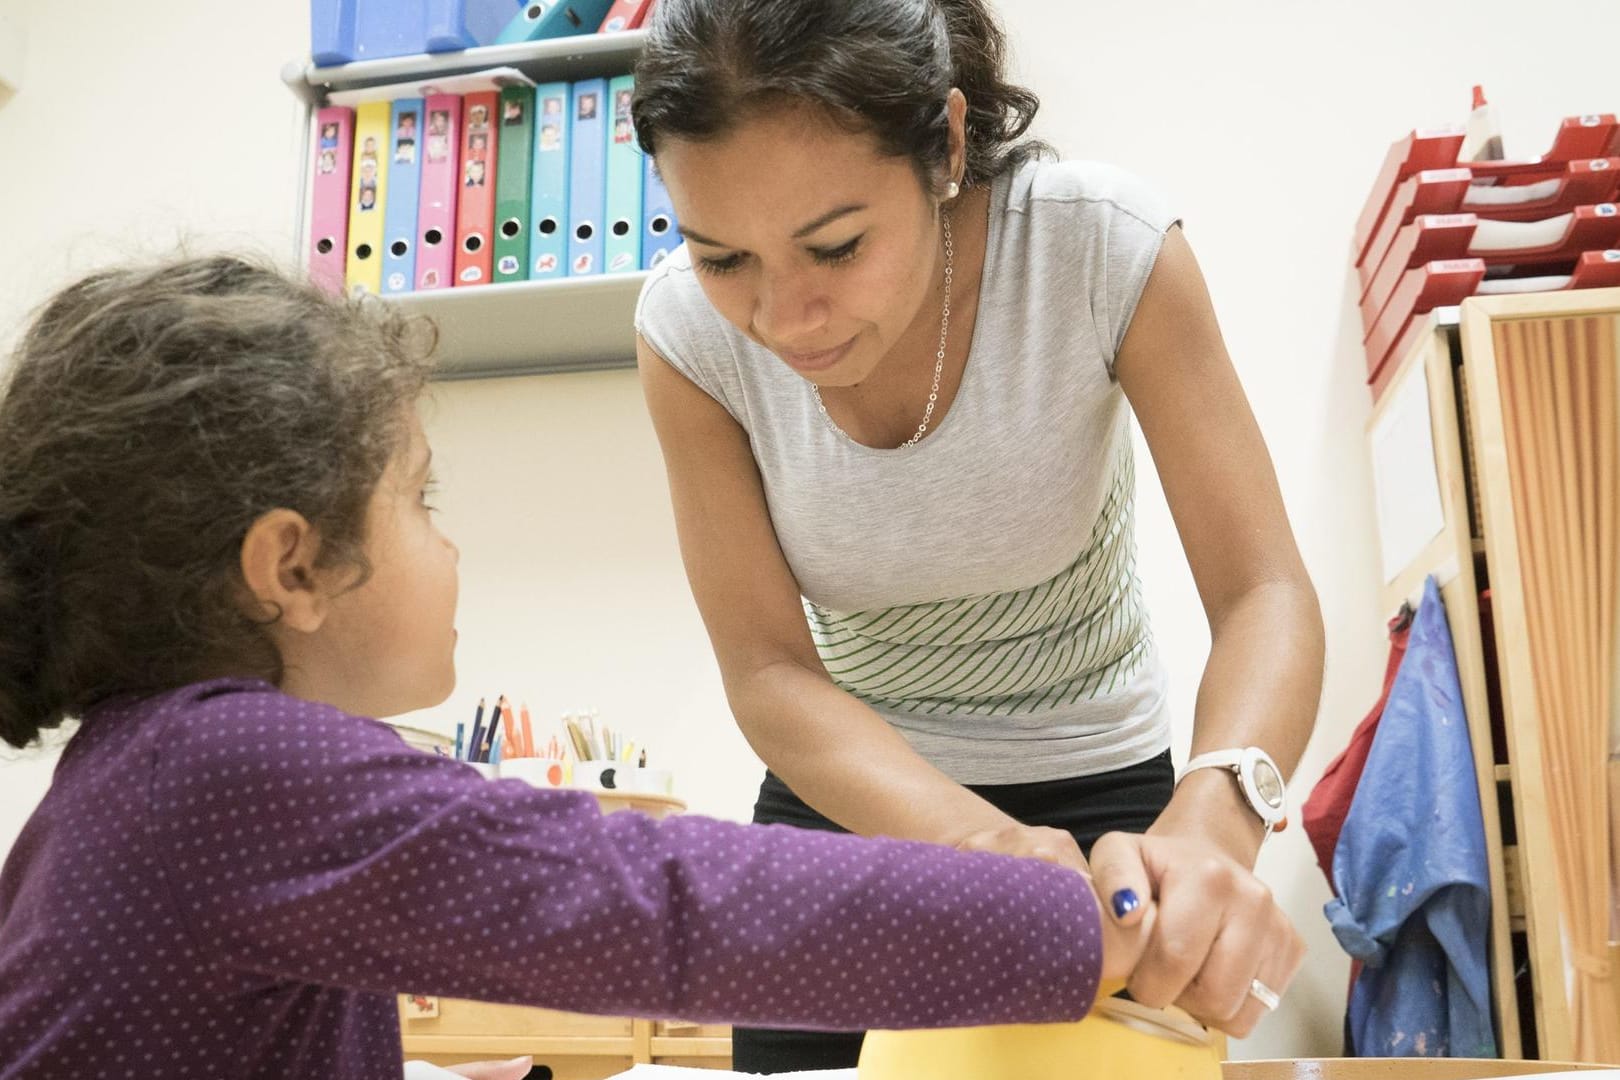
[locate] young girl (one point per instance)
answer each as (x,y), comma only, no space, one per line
(216,550)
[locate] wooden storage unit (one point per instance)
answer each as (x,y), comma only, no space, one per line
(1475,551)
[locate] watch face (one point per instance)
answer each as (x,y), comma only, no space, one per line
(1268,783)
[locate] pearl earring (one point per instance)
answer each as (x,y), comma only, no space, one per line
(952,190)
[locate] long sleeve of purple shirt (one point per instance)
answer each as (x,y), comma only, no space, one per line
(287,843)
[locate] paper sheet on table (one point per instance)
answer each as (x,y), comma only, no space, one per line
(1408,489)
(676,1072)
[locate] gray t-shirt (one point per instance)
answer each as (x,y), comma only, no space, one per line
(978,589)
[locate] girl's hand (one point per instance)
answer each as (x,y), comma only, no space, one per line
(1215,930)
(1029,842)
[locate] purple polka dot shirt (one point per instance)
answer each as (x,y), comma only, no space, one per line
(226,881)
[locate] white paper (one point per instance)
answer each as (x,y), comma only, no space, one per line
(1405,481)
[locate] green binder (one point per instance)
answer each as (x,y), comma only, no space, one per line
(513,178)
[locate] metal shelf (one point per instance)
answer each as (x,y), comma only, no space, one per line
(532,327)
(568,59)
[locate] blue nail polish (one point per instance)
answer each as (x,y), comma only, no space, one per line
(1125,902)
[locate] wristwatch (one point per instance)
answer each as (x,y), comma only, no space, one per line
(1258,777)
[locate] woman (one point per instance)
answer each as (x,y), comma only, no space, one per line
(891,372)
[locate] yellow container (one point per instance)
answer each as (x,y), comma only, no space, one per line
(1118,1039)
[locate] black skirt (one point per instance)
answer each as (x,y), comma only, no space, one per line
(1128,800)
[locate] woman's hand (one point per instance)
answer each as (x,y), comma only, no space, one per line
(1029,842)
(1215,929)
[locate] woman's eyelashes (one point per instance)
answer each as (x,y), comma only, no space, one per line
(430,487)
(719,266)
(843,253)
(840,254)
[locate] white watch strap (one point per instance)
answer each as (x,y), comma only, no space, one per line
(1215,759)
(1244,763)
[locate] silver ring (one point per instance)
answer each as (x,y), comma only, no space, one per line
(1265,995)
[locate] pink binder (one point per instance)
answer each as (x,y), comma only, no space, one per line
(331,160)
(436,212)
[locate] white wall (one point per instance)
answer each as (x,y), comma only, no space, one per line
(1265,121)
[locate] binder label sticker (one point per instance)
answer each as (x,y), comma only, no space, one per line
(623,132)
(396,281)
(551,122)
(582,263)
(622,261)
(471,274)
(438,136)
(405,139)
(545,264)
(368,176)
(331,133)
(508,264)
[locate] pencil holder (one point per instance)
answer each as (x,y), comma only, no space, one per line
(622,776)
(485,769)
(541,772)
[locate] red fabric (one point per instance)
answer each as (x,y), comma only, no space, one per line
(1329,802)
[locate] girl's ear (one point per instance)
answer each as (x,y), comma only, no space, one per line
(278,567)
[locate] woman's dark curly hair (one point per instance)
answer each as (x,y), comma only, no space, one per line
(881,66)
(151,415)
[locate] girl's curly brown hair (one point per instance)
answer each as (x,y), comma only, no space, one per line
(151,415)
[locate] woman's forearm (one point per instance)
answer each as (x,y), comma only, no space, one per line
(1261,688)
(848,763)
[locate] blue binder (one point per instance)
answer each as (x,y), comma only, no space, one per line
(587,177)
(659,238)
(541,19)
(548,208)
(624,172)
(406,123)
